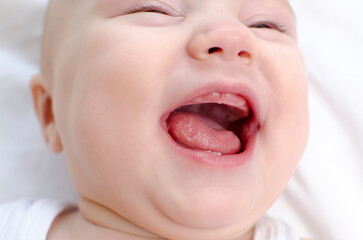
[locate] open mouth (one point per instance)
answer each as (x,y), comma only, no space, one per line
(216,123)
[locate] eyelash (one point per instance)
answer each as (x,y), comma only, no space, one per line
(270,25)
(150,7)
(154,8)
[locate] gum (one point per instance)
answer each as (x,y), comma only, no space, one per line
(229,99)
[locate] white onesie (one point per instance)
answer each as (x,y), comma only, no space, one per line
(273,229)
(31,220)
(28,220)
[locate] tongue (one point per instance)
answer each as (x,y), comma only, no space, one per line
(197,132)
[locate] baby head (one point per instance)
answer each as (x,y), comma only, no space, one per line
(182,118)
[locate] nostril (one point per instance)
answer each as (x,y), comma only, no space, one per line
(244,54)
(214,49)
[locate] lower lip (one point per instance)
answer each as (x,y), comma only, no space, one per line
(211,160)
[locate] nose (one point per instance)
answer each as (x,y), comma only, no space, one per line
(229,42)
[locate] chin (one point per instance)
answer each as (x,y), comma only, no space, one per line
(214,209)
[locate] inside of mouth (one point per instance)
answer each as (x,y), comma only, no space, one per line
(210,127)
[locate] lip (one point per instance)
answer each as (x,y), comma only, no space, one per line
(209,159)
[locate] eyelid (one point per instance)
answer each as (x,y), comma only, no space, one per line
(274,25)
(155,5)
(278,23)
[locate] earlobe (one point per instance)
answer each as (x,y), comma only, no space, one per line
(44,109)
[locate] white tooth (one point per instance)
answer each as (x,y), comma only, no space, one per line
(239,101)
(215,153)
(216,94)
(198,100)
(242,103)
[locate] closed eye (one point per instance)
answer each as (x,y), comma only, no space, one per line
(269,25)
(152,8)
(261,25)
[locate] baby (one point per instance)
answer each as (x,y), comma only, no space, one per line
(179,119)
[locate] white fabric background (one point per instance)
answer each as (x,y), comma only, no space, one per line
(27,167)
(323,200)
(325,197)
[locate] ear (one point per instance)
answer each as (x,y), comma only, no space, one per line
(44,109)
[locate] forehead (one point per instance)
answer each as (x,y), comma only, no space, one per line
(287,4)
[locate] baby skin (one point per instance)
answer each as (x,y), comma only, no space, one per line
(179,119)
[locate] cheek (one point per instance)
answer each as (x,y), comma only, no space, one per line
(287,93)
(112,115)
(285,130)
(107,121)
(110,111)
(290,93)
(108,138)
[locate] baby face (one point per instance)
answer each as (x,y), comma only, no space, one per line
(183,116)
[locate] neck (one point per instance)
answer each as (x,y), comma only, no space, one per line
(106,218)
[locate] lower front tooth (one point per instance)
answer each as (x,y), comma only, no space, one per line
(215,153)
